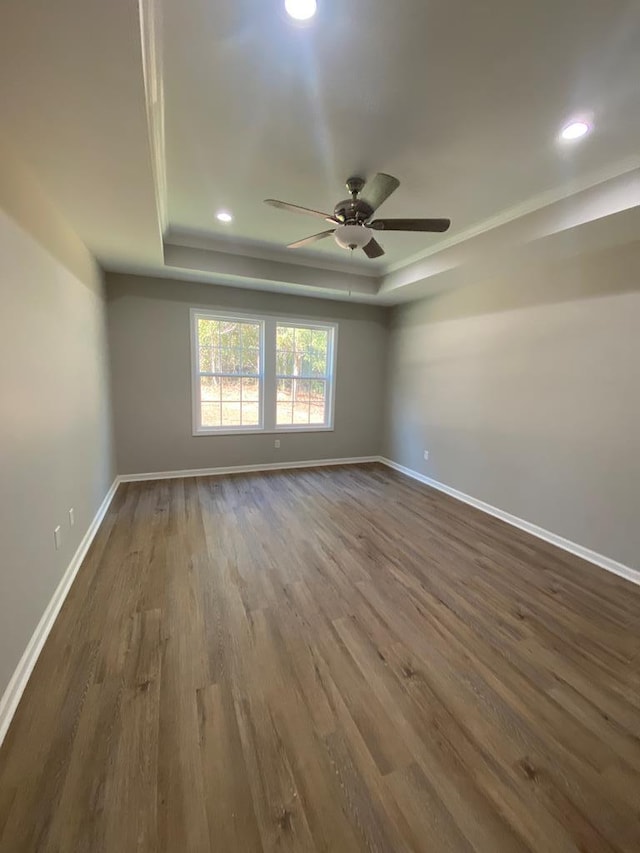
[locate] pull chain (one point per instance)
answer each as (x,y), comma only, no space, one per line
(352,251)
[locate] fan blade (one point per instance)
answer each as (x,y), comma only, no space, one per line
(379,189)
(437,225)
(308,240)
(373,249)
(295,208)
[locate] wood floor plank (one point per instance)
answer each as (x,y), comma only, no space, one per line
(425,812)
(281,818)
(182,816)
(317,788)
(327,660)
(78,822)
(231,816)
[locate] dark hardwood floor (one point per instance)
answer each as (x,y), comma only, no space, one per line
(334,660)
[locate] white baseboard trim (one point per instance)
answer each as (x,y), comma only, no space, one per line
(607,563)
(15,688)
(245,469)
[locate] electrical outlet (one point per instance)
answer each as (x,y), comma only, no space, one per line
(426,456)
(276,443)
(72,517)
(57,537)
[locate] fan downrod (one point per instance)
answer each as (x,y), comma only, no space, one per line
(355,186)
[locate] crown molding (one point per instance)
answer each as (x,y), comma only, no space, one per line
(151,45)
(268,252)
(241,270)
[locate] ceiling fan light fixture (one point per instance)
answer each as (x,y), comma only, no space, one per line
(351,218)
(301,10)
(353,236)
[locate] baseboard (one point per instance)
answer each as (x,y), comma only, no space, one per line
(245,469)
(607,563)
(15,688)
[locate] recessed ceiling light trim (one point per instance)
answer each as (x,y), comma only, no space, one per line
(224,216)
(301,10)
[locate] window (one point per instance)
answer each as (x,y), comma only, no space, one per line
(228,387)
(302,375)
(261,374)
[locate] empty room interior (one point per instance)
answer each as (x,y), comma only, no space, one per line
(320,433)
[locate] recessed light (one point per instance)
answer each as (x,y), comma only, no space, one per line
(575,130)
(301,10)
(224,216)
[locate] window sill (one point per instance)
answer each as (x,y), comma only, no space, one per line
(277,431)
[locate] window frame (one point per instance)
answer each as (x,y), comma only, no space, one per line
(196,374)
(268,374)
(329,378)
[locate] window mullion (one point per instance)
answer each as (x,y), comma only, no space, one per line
(269,374)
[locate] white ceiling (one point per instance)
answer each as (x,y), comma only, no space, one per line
(461,100)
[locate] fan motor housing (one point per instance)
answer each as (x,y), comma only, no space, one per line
(353,211)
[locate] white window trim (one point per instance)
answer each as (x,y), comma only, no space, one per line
(268,384)
(194,315)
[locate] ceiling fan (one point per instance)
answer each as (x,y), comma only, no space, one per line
(352,217)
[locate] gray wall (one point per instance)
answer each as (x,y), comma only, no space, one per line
(149,341)
(55,436)
(525,389)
